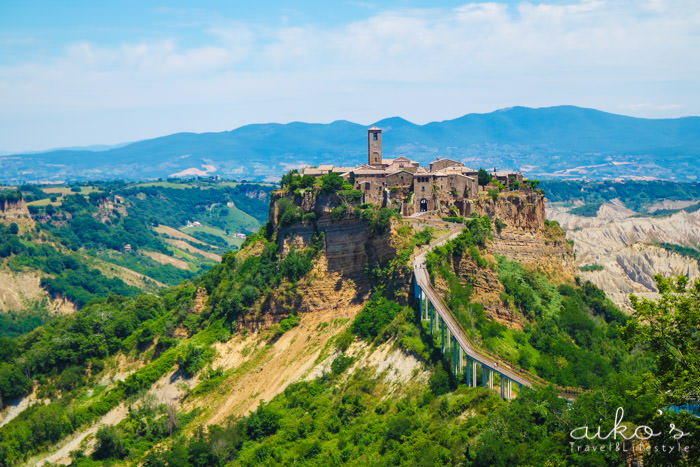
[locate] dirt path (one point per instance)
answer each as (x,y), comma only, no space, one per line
(174,233)
(62,455)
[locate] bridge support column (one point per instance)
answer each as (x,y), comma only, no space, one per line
(503,387)
(432,318)
(461,359)
(468,374)
(484,375)
(490,378)
(420,303)
(510,390)
(473,370)
(455,349)
(442,335)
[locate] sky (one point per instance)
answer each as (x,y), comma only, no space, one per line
(76,73)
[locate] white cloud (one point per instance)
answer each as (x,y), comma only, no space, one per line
(423,64)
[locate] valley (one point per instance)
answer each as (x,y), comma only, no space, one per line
(78,242)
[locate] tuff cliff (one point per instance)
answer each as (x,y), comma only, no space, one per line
(526,236)
(349,242)
(520,233)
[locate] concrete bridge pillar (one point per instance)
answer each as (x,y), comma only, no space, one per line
(442,335)
(473,370)
(503,387)
(510,390)
(468,374)
(490,378)
(432,319)
(455,349)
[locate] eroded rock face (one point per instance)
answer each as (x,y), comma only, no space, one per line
(623,245)
(526,238)
(349,244)
(519,210)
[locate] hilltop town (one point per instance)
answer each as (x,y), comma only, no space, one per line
(405,184)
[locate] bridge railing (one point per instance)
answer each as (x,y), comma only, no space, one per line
(564,391)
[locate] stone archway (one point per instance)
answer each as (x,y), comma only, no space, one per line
(423,205)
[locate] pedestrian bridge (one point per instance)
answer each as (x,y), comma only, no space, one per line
(466,361)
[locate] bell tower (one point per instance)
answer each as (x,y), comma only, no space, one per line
(374,146)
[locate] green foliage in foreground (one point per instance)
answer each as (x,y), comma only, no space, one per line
(346,419)
(669,327)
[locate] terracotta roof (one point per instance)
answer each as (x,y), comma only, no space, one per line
(315,171)
(369,172)
(446,159)
(399,171)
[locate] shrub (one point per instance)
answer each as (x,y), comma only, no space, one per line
(499,225)
(261,423)
(289,322)
(484,177)
(331,183)
(192,359)
(338,212)
(493,193)
(109,444)
(288,213)
(375,315)
(341,363)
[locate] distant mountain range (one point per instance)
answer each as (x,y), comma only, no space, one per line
(555,142)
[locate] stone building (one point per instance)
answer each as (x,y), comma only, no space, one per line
(404,184)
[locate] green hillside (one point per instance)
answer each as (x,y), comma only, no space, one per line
(87,241)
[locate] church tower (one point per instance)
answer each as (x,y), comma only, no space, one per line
(374,146)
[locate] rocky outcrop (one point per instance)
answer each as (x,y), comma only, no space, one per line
(486,289)
(525,236)
(16,212)
(523,211)
(349,244)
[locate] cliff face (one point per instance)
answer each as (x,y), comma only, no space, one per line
(17,212)
(526,237)
(520,233)
(522,211)
(349,245)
